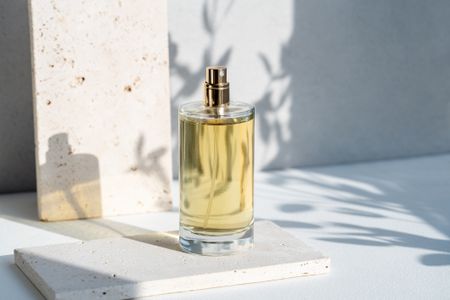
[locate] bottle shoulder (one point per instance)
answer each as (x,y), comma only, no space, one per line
(235,112)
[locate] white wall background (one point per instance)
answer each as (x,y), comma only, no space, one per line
(248,37)
(332,81)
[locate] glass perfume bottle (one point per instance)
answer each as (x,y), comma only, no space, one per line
(216,170)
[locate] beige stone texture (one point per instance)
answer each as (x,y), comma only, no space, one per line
(101,107)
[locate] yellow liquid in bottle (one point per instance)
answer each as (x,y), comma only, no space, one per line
(216,175)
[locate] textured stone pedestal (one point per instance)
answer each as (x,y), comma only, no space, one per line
(102,107)
(153,264)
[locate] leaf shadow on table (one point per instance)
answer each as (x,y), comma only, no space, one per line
(377,193)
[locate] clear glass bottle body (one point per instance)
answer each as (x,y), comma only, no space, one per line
(216,177)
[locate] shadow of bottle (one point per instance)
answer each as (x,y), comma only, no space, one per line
(68,183)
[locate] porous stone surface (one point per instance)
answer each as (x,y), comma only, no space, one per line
(153,264)
(101,107)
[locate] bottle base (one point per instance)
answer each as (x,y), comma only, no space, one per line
(216,245)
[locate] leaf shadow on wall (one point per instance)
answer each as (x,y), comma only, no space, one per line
(350,82)
(151,165)
(192,78)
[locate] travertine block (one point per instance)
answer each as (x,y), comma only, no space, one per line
(152,264)
(102,108)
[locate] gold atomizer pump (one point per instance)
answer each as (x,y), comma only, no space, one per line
(216,88)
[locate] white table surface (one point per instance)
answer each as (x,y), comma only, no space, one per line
(385,225)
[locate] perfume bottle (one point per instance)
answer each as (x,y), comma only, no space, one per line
(216,170)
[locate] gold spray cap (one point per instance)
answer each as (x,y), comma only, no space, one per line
(217,89)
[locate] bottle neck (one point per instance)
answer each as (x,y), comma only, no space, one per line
(217,88)
(216,95)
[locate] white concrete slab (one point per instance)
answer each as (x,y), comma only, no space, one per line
(101,106)
(152,264)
